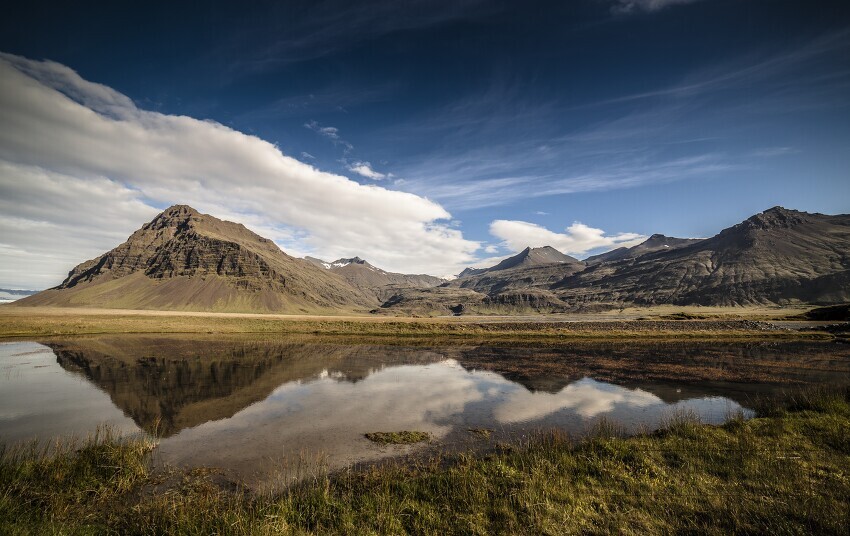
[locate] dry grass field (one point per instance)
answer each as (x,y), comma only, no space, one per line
(659,322)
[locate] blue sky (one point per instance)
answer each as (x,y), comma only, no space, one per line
(630,117)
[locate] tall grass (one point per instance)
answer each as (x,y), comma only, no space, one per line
(784,472)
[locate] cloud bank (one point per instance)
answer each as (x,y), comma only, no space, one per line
(81,167)
(577,240)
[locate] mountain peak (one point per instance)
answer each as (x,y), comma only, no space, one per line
(775,217)
(179,211)
(352,260)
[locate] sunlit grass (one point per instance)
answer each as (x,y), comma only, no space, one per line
(35,322)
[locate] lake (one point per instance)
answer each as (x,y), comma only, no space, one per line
(269,410)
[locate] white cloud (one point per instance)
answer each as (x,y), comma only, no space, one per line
(306,155)
(365,169)
(578,238)
(81,166)
(630,6)
(332,133)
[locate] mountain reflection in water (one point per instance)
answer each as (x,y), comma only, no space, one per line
(259,406)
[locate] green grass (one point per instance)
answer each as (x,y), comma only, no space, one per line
(785,472)
(405,437)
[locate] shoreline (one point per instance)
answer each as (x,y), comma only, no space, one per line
(783,471)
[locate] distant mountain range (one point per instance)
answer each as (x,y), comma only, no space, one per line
(184,260)
(9,295)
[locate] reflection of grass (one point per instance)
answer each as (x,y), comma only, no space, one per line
(784,472)
(404,437)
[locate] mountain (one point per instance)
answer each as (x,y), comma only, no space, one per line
(185,260)
(779,256)
(527,258)
(373,280)
(530,268)
(656,242)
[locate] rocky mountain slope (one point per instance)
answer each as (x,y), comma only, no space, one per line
(373,280)
(184,260)
(530,268)
(656,242)
(779,256)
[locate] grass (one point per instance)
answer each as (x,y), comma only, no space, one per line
(784,472)
(17,322)
(405,437)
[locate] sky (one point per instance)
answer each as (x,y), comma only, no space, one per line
(423,136)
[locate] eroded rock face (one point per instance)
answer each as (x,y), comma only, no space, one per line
(183,259)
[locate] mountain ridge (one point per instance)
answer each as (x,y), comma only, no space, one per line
(185,260)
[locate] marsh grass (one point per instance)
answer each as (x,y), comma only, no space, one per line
(17,322)
(405,437)
(481,433)
(785,472)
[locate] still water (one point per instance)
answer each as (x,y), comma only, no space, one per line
(270,410)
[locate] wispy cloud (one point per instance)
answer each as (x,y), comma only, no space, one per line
(338,98)
(331,133)
(612,173)
(306,155)
(630,6)
(324,27)
(364,169)
(699,127)
(577,239)
(328,132)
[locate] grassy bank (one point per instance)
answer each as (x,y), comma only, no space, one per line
(785,472)
(36,322)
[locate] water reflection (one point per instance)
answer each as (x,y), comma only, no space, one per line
(257,407)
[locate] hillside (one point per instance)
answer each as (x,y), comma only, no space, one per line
(530,268)
(185,260)
(373,280)
(779,256)
(656,242)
